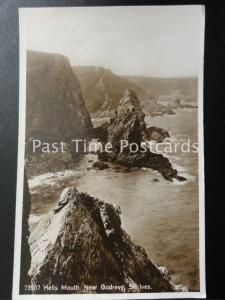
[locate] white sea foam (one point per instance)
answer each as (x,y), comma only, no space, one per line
(34,218)
(47,179)
(50,179)
(179,168)
(185,175)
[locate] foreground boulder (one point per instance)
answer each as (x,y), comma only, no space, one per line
(83,244)
(128,123)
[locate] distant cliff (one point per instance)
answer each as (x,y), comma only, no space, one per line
(102,90)
(187,87)
(83,243)
(54,102)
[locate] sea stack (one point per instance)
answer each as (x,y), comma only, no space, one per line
(128,123)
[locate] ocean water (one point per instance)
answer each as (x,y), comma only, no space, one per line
(162,216)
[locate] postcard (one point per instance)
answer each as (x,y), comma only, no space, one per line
(110,186)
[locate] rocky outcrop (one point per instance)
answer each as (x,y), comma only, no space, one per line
(55,108)
(83,244)
(128,124)
(99,165)
(157,134)
(102,90)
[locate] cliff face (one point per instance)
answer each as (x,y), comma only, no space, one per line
(82,243)
(128,123)
(55,106)
(55,111)
(102,90)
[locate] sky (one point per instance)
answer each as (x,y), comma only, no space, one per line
(160,41)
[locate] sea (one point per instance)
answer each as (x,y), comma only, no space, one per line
(160,215)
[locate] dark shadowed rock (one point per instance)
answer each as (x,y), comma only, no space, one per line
(25,247)
(99,165)
(157,134)
(128,123)
(101,132)
(155,180)
(84,243)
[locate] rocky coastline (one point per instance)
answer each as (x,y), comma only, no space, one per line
(82,242)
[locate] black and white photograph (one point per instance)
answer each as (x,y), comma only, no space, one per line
(110,176)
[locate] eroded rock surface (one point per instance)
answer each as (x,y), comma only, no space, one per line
(84,243)
(55,105)
(128,123)
(55,111)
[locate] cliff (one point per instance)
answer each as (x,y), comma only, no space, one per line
(55,106)
(55,109)
(102,90)
(82,243)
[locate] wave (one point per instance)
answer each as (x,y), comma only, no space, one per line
(50,179)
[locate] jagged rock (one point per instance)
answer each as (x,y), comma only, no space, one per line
(157,134)
(84,243)
(99,165)
(128,121)
(128,124)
